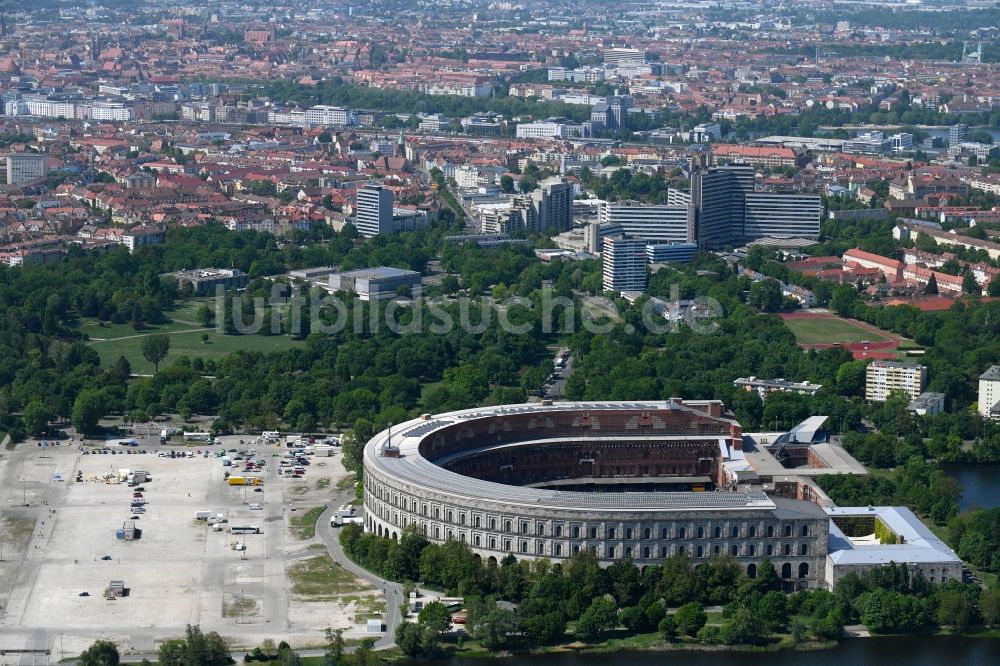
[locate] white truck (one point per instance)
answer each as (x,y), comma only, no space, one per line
(340,521)
(202,515)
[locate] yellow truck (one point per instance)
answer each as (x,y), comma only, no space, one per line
(245,481)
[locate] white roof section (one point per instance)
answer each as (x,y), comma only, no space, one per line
(805,432)
(919,546)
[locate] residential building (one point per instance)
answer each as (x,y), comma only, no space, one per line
(927,403)
(884,377)
(891,268)
(142,235)
(374,211)
(989,393)
(372,284)
(763,387)
(622,56)
(22,167)
(624,264)
(781,215)
(766,156)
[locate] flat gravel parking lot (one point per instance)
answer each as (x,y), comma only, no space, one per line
(59,542)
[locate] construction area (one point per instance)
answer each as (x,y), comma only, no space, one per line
(134,547)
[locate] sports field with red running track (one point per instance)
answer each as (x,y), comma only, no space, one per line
(822,330)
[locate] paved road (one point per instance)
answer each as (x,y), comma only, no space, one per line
(393,591)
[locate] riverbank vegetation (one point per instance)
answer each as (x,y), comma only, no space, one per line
(518,605)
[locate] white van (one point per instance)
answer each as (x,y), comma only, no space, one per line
(255,507)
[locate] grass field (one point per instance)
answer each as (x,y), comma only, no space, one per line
(114,340)
(829,330)
(304,524)
(188,343)
(320,578)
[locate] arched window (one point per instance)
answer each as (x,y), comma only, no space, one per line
(611,552)
(593,532)
(803,549)
(493,523)
(611,533)
(753,531)
(539,548)
(524,546)
(475,521)
(524,528)
(770,531)
(788,530)
(558,549)
(558,530)
(682,534)
(645,553)
(770,550)
(701,532)
(477,541)
(751,551)
(493,542)
(646,533)
(628,551)
(576,531)
(716,549)
(786,570)
(701,552)
(751,571)
(788,549)
(717,531)
(805,530)
(735,531)
(506,526)
(803,570)
(628,533)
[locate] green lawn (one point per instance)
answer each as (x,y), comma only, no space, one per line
(304,524)
(186,341)
(829,330)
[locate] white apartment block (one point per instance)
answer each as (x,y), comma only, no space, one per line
(659,224)
(328,115)
(989,393)
(884,377)
(548,129)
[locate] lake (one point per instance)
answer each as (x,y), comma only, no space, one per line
(979,484)
(909,650)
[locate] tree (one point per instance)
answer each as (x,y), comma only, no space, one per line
(493,628)
(931,287)
(744,627)
(36,417)
(765,295)
(678,583)
(435,615)
(171,652)
(994,288)
(507,184)
(88,408)
(989,603)
(408,639)
(970,285)
(601,616)
(668,628)
(954,610)
(100,653)
(690,618)
(205,316)
(155,348)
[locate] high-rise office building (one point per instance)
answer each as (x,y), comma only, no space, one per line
(958,134)
(989,393)
(624,264)
(657,224)
(553,203)
(374,213)
(718,198)
(781,215)
(22,167)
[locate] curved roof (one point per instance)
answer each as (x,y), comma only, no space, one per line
(413,469)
